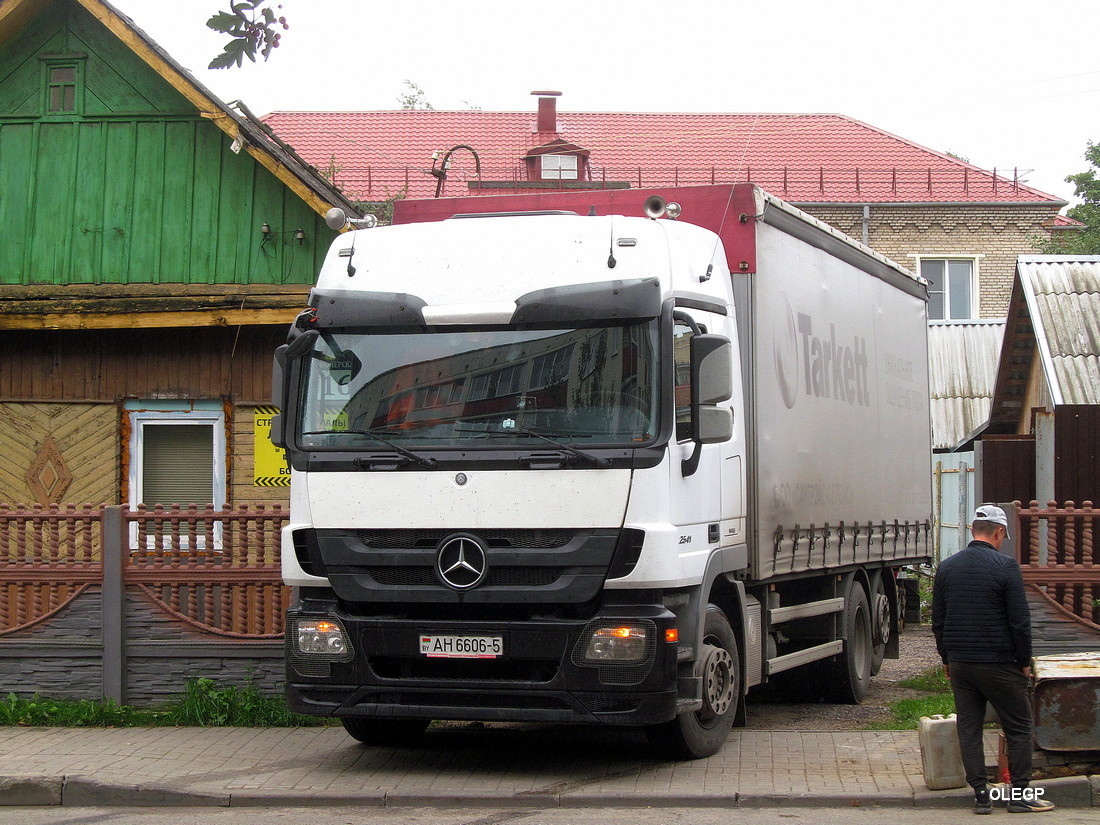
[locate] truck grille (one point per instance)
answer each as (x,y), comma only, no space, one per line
(410,576)
(427,539)
(526,567)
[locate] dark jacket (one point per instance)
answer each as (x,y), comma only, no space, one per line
(979,609)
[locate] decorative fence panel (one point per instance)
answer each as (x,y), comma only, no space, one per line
(142,598)
(1059,553)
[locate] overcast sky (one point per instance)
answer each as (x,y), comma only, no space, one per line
(1002,83)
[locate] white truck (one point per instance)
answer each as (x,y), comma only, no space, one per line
(578,461)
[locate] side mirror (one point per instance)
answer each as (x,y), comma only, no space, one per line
(711,384)
(711,369)
(301,344)
(713,425)
(278,377)
(278,395)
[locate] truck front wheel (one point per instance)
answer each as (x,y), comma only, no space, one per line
(385,731)
(701,733)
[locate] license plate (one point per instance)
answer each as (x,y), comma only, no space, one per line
(462,647)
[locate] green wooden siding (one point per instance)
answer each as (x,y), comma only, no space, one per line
(137,187)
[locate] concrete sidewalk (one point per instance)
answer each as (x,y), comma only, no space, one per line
(519,766)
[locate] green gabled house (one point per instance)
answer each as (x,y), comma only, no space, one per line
(157,244)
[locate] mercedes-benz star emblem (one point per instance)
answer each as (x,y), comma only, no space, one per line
(461,563)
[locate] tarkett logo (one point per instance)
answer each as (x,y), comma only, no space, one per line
(824,367)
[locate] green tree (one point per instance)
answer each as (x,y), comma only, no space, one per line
(253,28)
(414,97)
(1086,186)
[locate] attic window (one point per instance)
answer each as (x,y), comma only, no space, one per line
(559,167)
(63,87)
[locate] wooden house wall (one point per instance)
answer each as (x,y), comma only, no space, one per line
(108,365)
(71,386)
(1076,453)
(139,187)
(85,435)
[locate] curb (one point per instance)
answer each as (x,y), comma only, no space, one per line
(31,791)
(86,792)
(1072,792)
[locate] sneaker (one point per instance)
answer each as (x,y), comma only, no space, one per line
(1034,805)
(982,805)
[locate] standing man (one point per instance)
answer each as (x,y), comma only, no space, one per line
(982,626)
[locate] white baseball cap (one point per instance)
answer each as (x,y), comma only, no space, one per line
(993,513)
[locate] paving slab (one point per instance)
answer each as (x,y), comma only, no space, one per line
(474,766)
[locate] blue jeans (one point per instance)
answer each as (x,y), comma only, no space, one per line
(1004,686)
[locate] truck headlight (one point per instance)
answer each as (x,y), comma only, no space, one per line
(621,650)
(625,643)
(317,641)
(322,636)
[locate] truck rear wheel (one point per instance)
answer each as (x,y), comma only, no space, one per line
(385,731)
(851,671)
(701,733)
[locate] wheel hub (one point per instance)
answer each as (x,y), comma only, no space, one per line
(882,619)
(718,687)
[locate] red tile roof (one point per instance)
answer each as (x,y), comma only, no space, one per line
(802,158)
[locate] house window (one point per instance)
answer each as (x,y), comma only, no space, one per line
(559,167)
(63,87)
(950,288)
(177,457)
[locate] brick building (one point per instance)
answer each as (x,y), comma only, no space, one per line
(959,226)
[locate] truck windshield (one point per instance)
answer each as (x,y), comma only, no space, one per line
(490,386)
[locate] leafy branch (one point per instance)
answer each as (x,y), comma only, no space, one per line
(253,29)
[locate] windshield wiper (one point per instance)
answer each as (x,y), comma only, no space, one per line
(599,461)
(423,461)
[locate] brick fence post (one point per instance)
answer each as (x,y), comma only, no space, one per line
(115,546)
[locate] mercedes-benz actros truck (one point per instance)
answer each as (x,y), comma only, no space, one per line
(606,457)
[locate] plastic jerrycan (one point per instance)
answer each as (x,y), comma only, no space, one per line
(940,756)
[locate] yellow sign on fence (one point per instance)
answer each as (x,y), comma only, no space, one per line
(269,463)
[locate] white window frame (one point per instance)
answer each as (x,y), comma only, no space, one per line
(139,419)
(560,167)
(975,298)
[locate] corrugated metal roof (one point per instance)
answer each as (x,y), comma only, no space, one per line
(1063,298)
(802,158)
(962,371)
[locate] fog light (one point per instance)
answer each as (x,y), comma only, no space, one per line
(617,644)
(321,637)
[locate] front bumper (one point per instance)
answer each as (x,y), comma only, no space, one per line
(541,676)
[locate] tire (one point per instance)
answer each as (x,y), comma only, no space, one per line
(881,627)
(390,732)
(701,733)
(851,672)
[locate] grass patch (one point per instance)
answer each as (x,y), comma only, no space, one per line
(906,713)
(932,681)
(81,713)
(203,704)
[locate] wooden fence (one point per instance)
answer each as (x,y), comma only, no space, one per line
(150,582)
(1059,554)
